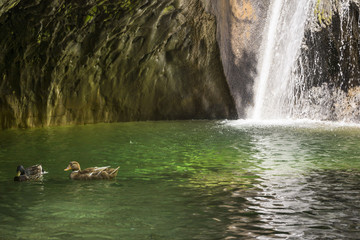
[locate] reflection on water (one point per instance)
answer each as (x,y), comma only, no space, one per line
(185,180)
(308,183)
(317,206)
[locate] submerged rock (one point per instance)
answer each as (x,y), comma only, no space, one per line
(80,62)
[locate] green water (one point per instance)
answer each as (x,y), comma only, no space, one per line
(184,180)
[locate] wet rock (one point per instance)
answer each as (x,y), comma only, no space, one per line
(240,25)
(104,61)
(330,62)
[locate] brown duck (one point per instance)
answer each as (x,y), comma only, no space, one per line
(91,173)
(33,173)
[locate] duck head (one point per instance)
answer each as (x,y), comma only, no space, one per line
(20,170)
(74,166)
(20,174)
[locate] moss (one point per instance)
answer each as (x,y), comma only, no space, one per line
(323,14)
(69,62)
(43,36)
(88,18)
(168,9)
(92,13)
(128,4)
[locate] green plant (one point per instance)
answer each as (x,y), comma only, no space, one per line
(322,15)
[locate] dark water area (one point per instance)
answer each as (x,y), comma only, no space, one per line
(185,180)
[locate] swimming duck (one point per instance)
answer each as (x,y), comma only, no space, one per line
(35,172)
(91,173)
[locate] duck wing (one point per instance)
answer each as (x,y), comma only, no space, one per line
(91,173)
(98,173)
(112,172)
(34,172)
(93,170)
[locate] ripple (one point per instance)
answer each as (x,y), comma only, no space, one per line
(191,179)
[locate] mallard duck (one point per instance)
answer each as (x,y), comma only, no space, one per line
(35,172)
(91,173)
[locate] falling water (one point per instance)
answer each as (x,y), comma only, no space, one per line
(280,48)
(267,59)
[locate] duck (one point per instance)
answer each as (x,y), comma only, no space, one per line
(32,173)
(91,173)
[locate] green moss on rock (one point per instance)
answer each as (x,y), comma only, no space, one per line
(106,61)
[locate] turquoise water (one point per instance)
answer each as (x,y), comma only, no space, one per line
(185,180)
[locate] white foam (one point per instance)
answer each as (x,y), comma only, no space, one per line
(299,123)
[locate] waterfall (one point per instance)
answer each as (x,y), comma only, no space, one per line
(267,58)
(308,66)
(280,48)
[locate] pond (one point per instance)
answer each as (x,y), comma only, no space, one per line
(185,180)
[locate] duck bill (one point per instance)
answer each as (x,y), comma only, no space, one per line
(68,168)
(18,173)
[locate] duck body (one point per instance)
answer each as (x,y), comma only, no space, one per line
(33,173)
(92,173)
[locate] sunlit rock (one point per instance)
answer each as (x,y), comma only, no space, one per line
(77,62)
(329,66)
(240,25)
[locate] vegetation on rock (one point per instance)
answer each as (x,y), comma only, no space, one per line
(75,62)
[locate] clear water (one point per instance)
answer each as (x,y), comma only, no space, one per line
(185,180)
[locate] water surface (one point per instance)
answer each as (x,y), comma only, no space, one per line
(185,180)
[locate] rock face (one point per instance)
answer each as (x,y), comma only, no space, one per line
(327,75)
(330,63)
(333,34)
(73,62)
(240,26)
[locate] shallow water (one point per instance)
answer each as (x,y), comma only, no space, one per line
(185,180)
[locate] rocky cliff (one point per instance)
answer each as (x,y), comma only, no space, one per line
(329,64)
(74,62)
(327,76)
(240,26)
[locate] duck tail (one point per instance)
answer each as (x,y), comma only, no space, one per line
(114,172)
(42,169)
